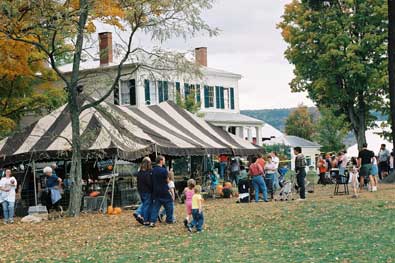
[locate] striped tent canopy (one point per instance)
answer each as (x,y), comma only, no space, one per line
(130,133)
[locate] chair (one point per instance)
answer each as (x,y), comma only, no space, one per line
(342,180)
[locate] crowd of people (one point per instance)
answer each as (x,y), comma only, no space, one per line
(156,187)
(155,184)
(365,170)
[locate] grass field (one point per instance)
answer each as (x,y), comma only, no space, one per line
(322,229)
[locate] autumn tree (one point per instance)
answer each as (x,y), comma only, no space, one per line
(300,123)
(331,130)
(45,24)
(23,78)
(339,50)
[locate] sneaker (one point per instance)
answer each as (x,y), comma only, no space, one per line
(5,222)
(200,231)
(374,189)
(151,225)
(185,222)
(11,221)
(301,199)
(160,218)
(139,218)
(189,229)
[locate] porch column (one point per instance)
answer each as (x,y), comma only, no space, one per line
(249,134)
(258,135)
(239,132)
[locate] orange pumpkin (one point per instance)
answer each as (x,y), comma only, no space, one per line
(219,189)
(110,210)
(117,211)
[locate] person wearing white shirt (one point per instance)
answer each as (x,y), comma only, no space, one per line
(8,186)
(276,162)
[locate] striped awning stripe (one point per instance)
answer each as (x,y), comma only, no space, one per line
(128,132)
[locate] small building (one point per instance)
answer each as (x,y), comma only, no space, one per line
(309,149)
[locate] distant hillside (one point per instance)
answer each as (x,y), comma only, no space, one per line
(274,117)
(277,117)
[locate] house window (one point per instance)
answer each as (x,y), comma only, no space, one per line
(208,96)
(178,91)
(186,90)
(163,91)
(128,92)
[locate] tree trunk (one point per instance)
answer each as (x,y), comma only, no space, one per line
(391,64)
(74,108)
(358,125)
(360,136)
(76,170)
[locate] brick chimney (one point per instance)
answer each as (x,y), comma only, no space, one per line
(201,56)
(105,48)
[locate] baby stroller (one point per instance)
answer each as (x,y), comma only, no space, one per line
(244,191)
(285,193)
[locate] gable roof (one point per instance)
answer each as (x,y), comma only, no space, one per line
(293,141)
(127,132)
(230,117)
(94,65)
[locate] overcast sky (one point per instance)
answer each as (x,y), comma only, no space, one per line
(251,45)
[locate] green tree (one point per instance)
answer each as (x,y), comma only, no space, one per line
(44,25)
(339,52)
(331,130)
(189,103)
(300,123)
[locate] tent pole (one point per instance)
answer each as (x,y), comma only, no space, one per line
(113,180)
(35,183)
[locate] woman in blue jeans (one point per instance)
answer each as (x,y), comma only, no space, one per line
(144,186)
(8,186)
(256,172)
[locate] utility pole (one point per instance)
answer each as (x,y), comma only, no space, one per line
(391,65)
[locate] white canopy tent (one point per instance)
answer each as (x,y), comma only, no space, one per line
(373,139)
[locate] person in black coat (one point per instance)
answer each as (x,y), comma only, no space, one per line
(144,187)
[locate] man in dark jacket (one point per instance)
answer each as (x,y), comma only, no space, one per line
(300,169)
(161,194)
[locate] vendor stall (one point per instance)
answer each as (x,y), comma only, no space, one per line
(110,132)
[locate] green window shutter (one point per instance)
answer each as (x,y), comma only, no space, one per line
(217,97)
(186,90)
(206,99)
(160,91)
(222,97)
(232,98)
(165,91)
(198,93)
(147,92)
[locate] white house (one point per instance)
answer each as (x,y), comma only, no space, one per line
(217,91)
